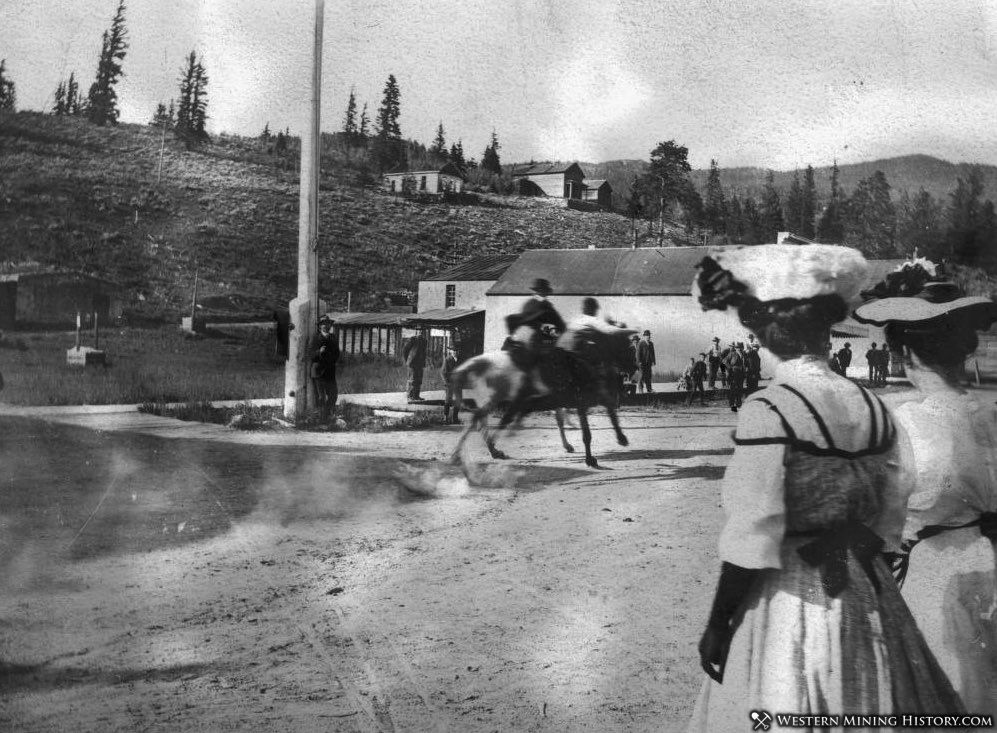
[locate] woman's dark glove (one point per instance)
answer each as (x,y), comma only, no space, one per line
(733,586)
(713,648)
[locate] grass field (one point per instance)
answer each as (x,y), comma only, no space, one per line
(161,366)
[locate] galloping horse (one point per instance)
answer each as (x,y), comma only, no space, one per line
(562,381)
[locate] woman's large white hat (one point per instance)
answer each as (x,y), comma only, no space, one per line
(797,271)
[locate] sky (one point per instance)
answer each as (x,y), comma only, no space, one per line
(770,83)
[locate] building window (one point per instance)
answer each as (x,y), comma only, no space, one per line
(451,299)
(422,184)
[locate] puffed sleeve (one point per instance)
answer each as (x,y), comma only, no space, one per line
(753,490)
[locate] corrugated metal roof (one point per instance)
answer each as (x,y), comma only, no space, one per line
(368,319)
(487,267)
(646,271)
(539,169)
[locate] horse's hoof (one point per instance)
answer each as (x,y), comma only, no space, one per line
(591,463)
(622,440)
(569,448)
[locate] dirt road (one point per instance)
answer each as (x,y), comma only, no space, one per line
(193,578)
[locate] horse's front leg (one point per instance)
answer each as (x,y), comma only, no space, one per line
(476,422)
(559,416)
(583,418)
(503,426)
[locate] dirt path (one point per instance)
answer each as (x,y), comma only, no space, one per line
(202,579)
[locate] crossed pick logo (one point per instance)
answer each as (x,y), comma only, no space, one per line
(763,721)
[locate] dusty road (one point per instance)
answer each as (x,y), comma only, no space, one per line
(170,577)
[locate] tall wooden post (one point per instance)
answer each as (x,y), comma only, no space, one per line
(298,392)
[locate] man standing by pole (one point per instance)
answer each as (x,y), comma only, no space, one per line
(646,361)
(324,359)
(298,396)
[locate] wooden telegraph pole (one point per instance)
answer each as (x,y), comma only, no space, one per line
(298,392)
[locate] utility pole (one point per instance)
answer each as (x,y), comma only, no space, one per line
(298,393)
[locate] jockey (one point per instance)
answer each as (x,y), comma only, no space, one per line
(527,328)
(581,327)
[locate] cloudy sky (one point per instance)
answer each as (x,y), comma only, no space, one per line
(771,83)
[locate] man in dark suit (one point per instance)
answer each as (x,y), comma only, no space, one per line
(325,355)
(414,354)
(735,362)
(845,358)
(645,361)
(872,360)
(752,367)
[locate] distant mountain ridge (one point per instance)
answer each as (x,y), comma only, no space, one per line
(905,173)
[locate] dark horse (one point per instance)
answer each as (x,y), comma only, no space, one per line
(561,380)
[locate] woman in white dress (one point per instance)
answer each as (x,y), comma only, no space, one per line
(807,618)
(949,575)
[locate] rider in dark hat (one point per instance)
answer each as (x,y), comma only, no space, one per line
(527,327)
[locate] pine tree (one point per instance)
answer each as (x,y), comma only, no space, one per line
(714,207)
(808,209)
(734,220)
(159,116)
(490,160)
(772,221)
(388,150)
(831,227)
(439,146)
(350,123)
(59,107)
(74,102)
(870,218)
(457,155)
(965,217)
(265,135)
(666,180)
(103,99)
(754,229)
(921,226)
(794,205)
(8,90)
(192,109)
(364,130)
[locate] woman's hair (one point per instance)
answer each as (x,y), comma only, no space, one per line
(788,328)
(945,343)
(792,327)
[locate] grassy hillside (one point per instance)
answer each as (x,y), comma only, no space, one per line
(92,199)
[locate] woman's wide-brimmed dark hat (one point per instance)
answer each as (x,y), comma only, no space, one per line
(907,299)
(541,286)
(975,310)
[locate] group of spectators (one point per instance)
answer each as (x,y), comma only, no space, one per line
(878,360)
(738,367)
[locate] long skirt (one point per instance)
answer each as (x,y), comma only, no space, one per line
(797,650)
(950,589)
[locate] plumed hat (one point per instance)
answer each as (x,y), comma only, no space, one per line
(771,272)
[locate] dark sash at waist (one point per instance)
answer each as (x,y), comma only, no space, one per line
(829,552)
